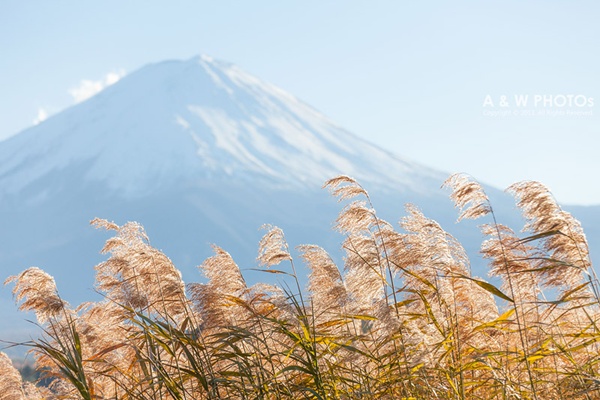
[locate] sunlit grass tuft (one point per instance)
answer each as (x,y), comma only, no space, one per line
(403,318)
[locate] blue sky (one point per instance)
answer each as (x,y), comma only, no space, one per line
(413,77)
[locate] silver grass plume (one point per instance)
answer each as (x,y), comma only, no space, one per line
(429,259)
(365,277)
(102,326)
(328,292)
(344,187)
(273,248)
(216,300)
(561,235)
(138,275)
(468,196)
(11,383)
(436,272)
(37,291)
(515,263)
(366,264)
(33,392)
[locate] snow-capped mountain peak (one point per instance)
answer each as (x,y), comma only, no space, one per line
(196,119)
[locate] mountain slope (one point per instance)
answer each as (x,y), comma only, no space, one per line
(198,119)
(199,152)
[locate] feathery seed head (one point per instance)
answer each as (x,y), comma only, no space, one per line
(11,383)
(273,247)
(561,235)
(344,187)
(38,291)
(468,196)
(136,274)
(223,273)
(356,217)
(328,292)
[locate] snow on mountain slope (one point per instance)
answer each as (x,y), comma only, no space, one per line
(201,118)
(199,152)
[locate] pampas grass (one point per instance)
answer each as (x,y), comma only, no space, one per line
(402,319)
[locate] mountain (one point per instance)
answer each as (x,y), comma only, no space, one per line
(199,152)
(199,119)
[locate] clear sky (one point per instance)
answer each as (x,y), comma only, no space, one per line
(422,79)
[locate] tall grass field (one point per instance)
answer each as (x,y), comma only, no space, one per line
(402,319)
